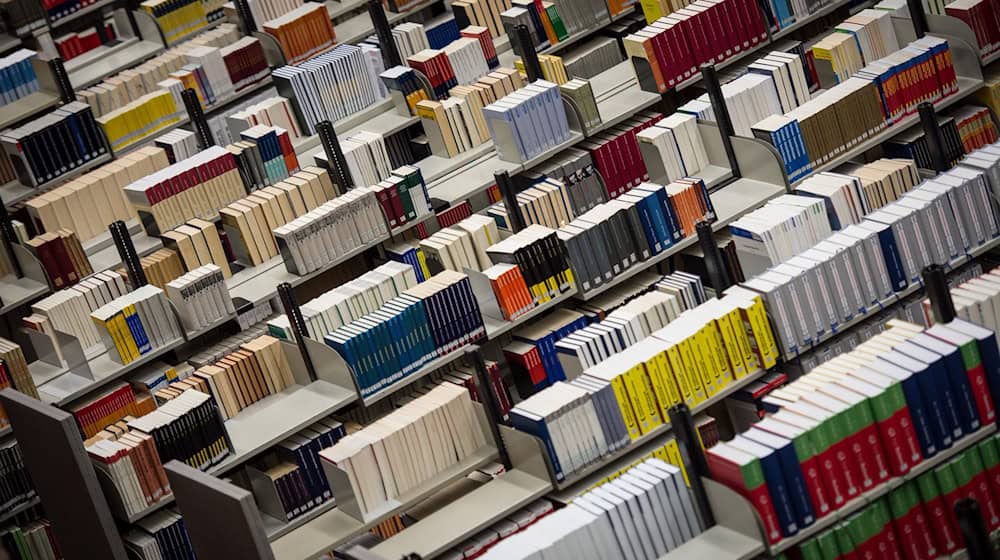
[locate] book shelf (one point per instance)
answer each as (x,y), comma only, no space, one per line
(94,66)
(46,97)
(718,543)
(15,291)
(103,255)
(79,13)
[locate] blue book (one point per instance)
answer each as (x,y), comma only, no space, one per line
(536,426)
(936,375)
(957,379)
(776,485)
(988,352)
(890,253)
(920,412)
(791,469)
(138,332)
(932,399)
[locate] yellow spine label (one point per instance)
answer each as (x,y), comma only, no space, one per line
(621,395)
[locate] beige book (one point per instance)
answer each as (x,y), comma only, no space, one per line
(281,197)
(200,245)
(236,220)
(294,197)
(263,225)
(302,186)
(325,180)
(105,211)
(185,246)
(211,235)
(256,229)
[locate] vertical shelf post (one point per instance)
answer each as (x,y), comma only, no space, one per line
(298,324)
(390,54)
(506,186)
(64,478)
(936,286)
(523,46)
(491,405)
(970,523)
(66,93)
(918,17)
(716,267)
(710,78)
(335,156)
(197,117)
(212,508)
(694,458)
(935,140)
(246,17)
(126,251)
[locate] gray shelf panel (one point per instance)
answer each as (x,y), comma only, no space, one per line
(98,64)
(18,291)
(731,202)
(8,42)
(717,543)
(14,192)
(380,118)
(332,528)
(471,181)
(23,108)
(19,508)
(275,528)
(585,478)
(466,516)
(430,367)
(272,419)
(209,327)
(108,257)
(436,167)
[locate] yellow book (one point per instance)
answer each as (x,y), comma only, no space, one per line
(642,398)
(689,386)
(717,354)
(697,351)
(733,354)
(653,10)
(740,337)
(657,366)
(111,325)
(126,335)
(674,452)
(762,334)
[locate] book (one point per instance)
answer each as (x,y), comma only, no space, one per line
(302,32)
(510,118)
(157,535)
(29,146)
(193,417)
(17,67)
(200,297)
(135,323)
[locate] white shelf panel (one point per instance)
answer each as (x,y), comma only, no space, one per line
(23,108)
(92,67)
(18,291)
(717,543)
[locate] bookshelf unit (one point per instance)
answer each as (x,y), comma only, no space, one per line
(94,66)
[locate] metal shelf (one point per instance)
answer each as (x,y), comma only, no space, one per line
(23,108)
(92,67)
(19,291)
(717,543)
(54,24)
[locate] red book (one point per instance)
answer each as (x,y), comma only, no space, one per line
(852,417)
(742,472)
(916,538)
(397,206)
(526,365)
(974,369)
(829,450)
(939,491)
(808,460)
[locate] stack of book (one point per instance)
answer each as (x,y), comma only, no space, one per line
(277,156)
(755,96)
(198,243)
(109,406)
(436,67)
(532,356)
(963,130)
(17,488)
(20,79)
(403,197)
(31,151)
(274,111)
(250,221)
(590,58)
(653,10)
(16,538)
(73,44)
(160,267)
(574,172)
(861,106)
(62,257)
(510,289)
(616,156)
(200,297)
(302,32)
(671,149)
(140,119)
(130,460)
(974,301)
(857,190)
(462,246)
(188,428)
(69,310)
(481,13)
(331,231)
(409,253)
(552,66)
(511,121)
(158,535)
(500,530)
(26,14)
(582,93)
(367,157)
(177,144)
(213,180)
(405,87)
(466,57)
(438,316)
(920,372)
(482,34)
(291,481)
(671,49)
(542,258)
(255,371)
(975,127)
(14,371)
(644,513)
(890,249)
(873,38)
(781,229)
(604,242)
(544,204)
(245,63)
(349,302)
(176,20)
(982,17)
(157,375)
(136,323)
(351,70)
(375,458)
(410,38)
(266,10)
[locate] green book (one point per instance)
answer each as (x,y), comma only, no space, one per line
(557,23)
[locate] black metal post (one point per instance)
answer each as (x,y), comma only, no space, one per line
(506,185)
(390,54)
(970,523)
(710,79)
(294,314)
(197,117)
(335,156)
(718,276)
(126,251)
(694,458)
(9,238)
(490,403)
(918,17)
(66,93)
(936,285)
(245,16)
(525,47)
(935,140)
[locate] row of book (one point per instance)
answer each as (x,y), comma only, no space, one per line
(616,153)
(250,221)
(257,370)
(574,172)
(274,111)
(136,323)
(531,352)
(673,148)
(69,310)
(860,189)
(613,237)
(920,382)
(18,76)
(963,130)
(437,317)
(403,197)
(54,144)
(441,425)
(264,155)
(501,530)
(200,297)
(14,369)
(176,19)
(303,32)
(917,519)
(33,540)
(187,428)
(671,49)
(644,513)
(132,464)
(140,119)
(528,122)
(518,291)
(552,66)
(59,9)
(199,244)
(974,300)
(462,246)
(61,256)
(856,42)
(75,43)
(882,255)
(349,302)
(784,227)
(350,83)
(16,488)
(291,481)
(160,535)
(983,18)
(458,123)
(160,267)
(860,106)
(108,406)
(481,13)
